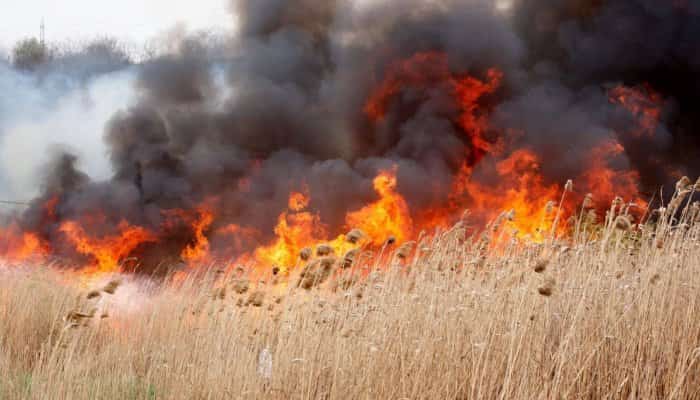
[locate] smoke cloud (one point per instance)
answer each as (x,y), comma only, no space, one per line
(281,107)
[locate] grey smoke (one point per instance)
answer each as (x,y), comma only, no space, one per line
(281,106)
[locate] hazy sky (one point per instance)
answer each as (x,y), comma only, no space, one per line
(134,20)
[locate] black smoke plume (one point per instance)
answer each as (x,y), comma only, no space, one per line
(281,106)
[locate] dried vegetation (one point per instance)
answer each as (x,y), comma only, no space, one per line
(612,311)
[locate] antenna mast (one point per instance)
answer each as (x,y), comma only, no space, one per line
(42,33)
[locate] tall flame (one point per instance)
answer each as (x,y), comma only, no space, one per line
(388,216)
(198,250)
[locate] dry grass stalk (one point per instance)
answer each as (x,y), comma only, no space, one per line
(616,305)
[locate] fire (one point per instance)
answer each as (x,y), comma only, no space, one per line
(198,250)
(645,105)
(18,246)
(468,92)
(108,251)
(298,201)
(429,69)
(388,216)
(493,179)
(607,182)
(516,185)
(296,229)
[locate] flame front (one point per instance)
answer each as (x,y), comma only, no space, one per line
(495,176)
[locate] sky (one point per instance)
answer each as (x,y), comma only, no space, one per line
(131,20)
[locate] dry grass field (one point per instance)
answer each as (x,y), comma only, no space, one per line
(612,312)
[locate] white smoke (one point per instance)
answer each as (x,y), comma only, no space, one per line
(55,110)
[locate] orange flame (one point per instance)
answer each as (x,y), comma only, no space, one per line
(492,179)
(608,183)
(295,230)
(644,103)
(518,186)
(18,246)
(109,251)
(198,250)
(388,216)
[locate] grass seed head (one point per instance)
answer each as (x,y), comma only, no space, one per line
(241,286)
(354,236)
(219,293)
(305,254)
(93,294)
(316,272)
(683,184)
(569,187)
(256,298)
(323,250)
(617,202)
(541,265)
(623,223)
(349,258)
(404,250)
(112,286)
(547,287)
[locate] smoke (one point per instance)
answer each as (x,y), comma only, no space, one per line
(50,112)
(282,107)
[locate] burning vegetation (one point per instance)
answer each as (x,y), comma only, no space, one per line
(349,130)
